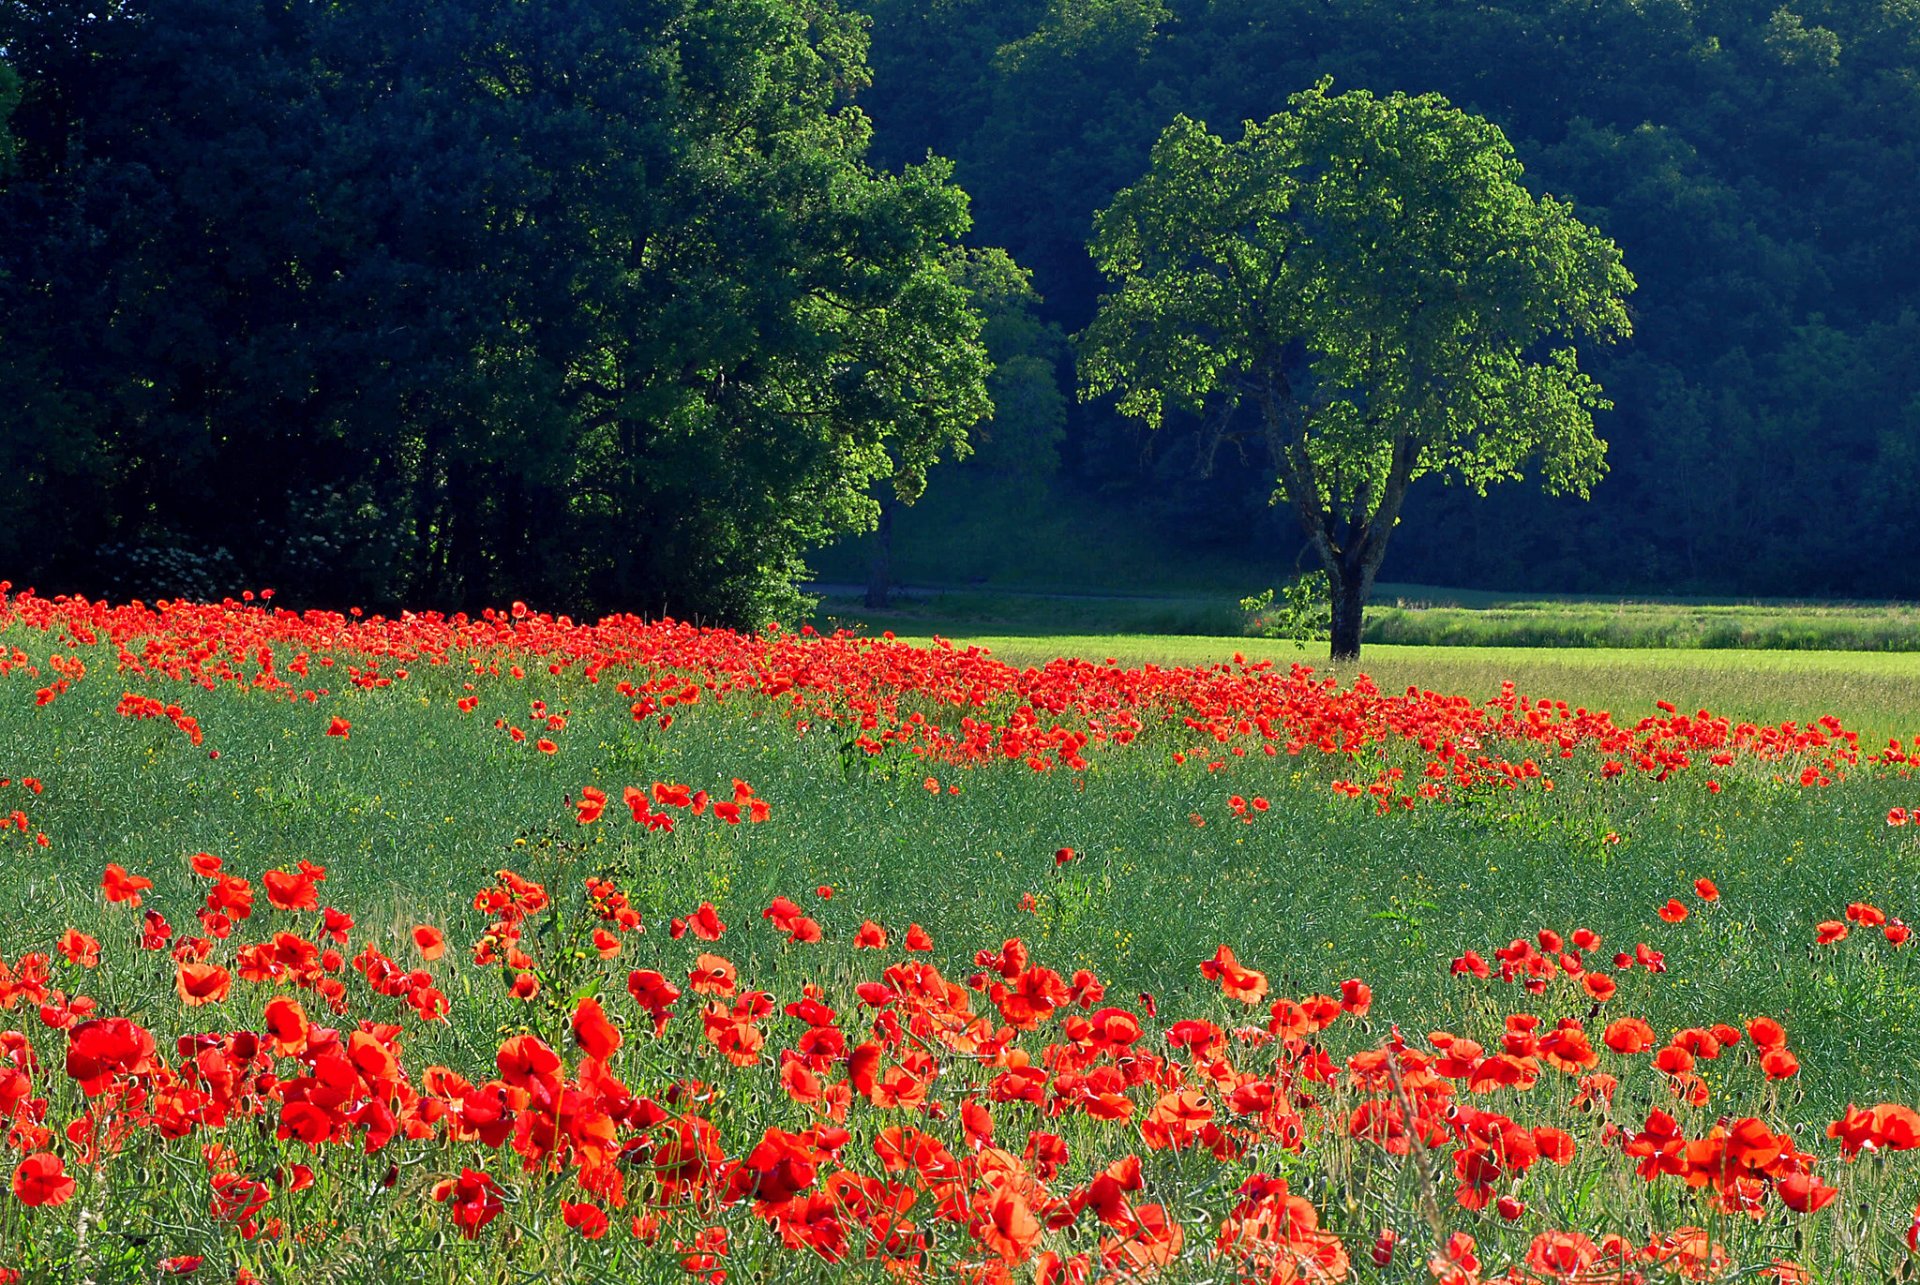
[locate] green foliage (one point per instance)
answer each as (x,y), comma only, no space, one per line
(1301,614)
(1368,279)
(1016,448)
(9,99)
(597,303)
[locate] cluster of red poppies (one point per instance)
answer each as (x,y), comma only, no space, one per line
(1017,1118)
(14,820)
(943,704)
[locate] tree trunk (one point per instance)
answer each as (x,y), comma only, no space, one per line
(880,569)
(1349,604)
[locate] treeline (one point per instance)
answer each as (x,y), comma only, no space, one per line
(1757,161)
(595,303)
(628,304)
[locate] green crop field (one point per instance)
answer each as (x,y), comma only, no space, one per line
(1123,861)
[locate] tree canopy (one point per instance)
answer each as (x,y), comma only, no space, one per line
(1369,280)
(596,300)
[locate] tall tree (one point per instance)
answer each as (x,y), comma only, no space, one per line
(1368,278)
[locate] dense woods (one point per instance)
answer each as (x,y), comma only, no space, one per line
(593,303)
(630,305)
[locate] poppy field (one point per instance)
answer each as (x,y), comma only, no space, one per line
(504,948)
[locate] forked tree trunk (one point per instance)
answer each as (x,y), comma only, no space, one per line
(1351,538)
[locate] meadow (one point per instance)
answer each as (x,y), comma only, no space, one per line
(512,948)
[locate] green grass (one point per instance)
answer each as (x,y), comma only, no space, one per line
(1569,623)
(1405,615)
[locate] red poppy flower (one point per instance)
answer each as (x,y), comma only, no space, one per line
(286,1023)
(79,948)
(705,923)
(1804,1194)
(712,975)
(473,1200)
(653,992)
(41,1180)
(121,886)
(1673,912)
(294,890)
(432,943)
(589,1220)
(597,1036)
(1563,1255)
(198,984)
(1247,985)
(339,727)
(1706,890)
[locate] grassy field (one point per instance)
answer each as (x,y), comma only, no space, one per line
(429,792)
(1408,615)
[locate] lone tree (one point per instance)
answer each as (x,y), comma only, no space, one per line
(1369,278)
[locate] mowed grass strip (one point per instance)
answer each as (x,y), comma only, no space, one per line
(1710,626)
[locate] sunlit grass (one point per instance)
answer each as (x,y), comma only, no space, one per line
(1874,693)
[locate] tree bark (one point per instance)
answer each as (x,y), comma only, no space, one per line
(880,569)
(1349,608)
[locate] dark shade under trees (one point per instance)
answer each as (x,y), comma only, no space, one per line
(591,302)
